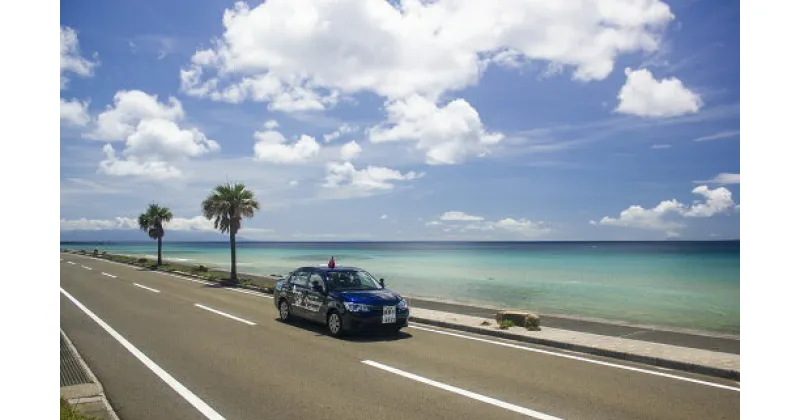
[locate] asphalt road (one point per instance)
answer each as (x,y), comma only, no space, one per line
(161,356)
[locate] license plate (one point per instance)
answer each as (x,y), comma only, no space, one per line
(389,315)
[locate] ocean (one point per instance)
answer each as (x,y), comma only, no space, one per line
(682,285)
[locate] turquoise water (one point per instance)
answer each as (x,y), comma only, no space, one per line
(692,285)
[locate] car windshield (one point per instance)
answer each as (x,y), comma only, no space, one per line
(352,280)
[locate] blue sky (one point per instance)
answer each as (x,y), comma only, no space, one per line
(593,121)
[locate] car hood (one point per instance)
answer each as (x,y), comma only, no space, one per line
(368,297)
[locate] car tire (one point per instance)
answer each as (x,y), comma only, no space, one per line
(284,311)
(334,324)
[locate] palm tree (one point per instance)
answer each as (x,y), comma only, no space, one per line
(226,205)
(152,221)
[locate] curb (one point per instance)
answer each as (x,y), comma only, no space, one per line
(654,361)
(100,396)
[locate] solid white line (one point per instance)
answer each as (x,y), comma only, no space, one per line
(184,392)
(70,262)
(224,314)
(88,268)
(145,287)
(489,400)
(582,359)
(109,275)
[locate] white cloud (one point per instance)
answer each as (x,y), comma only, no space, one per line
(310,50)
(448,135)
(516,227)
(661,146)
(75,112)
(95,224)
(667,214)
(644,96)
(71,59)
(719,136)
(293,183)
(154,140)
(271,146)
(197,223)
(341,131)
(718,200)
(271,125)
(459,216)
(723,178)
(368,179)
(384,217)
(350,151)
(133,166)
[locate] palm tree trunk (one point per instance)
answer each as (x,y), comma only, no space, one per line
(159,251)
(234,277)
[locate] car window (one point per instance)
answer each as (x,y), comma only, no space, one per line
(352,280)
(300,278)
(315,277)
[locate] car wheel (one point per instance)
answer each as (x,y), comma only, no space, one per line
(335,324)
(284,311)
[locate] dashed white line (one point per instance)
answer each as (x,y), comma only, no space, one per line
(582,359)
(469,394)
(184,392)
(108,275)
(70,262)
(88,268)
(236,318)
(147,288)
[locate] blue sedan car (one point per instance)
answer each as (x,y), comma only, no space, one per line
(343,298)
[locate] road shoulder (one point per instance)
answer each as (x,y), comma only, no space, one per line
(80,387)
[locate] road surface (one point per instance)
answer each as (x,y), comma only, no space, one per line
(170,348)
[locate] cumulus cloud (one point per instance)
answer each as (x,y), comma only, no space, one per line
(371,178)
(311,48)
(154,139)
(272,146)
(460,222)
(310,54)
(459,216)
(447,135)
(723,178)
(644,96)
(99,224)
(350,150)
(75,112)
(197,223)
(667,215)
(71,59)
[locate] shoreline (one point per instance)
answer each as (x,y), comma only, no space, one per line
(274,278)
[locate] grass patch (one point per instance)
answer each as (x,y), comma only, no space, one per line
(69,412)
(506,324)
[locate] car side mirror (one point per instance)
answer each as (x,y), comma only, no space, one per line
(381,281)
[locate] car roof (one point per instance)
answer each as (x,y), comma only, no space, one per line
(326,269)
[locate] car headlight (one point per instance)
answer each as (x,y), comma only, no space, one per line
(356,307)
(402,305)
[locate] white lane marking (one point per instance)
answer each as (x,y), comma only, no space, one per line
(582,359)
(70,262)
(147,288)
(88,268)
(108,275)
(224,314)
(184,392)
(489,400)
(184,278)
(208,283)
